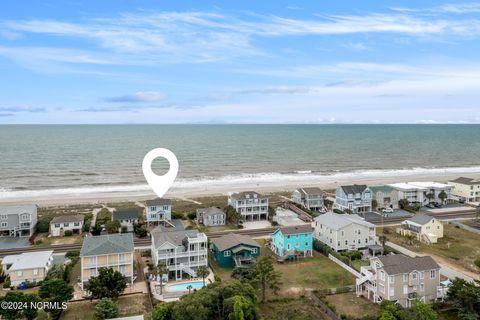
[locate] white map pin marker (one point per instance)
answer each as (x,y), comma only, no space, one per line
(160,184)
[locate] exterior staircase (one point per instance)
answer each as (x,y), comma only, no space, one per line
(188,270)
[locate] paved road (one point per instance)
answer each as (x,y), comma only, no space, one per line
(444,216)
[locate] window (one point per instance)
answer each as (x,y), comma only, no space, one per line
(392,291)
(4,224)
(414,275)
(57,225)
(405,277)
(346,242)
(227,253)
(254,250)
(153,208)
(3,217)
(391,279)
(405,289)
(306,244)
(422,274)
(35,272)
(121,269)
(288,246)
(422,287)
(382,288)
(66,224)
(343,233)
(433,274)
(366,240)
(338,243)
(192,258)
(76,224)
(382,275)
(93,272)
(93,260)
(121,257)
(25,216)
(19,273)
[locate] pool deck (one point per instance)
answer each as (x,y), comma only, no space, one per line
(169,296)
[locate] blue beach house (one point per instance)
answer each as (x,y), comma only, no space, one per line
(234,250)
(292,242)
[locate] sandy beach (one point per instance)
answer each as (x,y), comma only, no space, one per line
(264,184)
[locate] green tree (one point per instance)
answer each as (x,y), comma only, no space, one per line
(18,313)
(423,311)
(161,269)
(403,204)
(106,309)
(57,271)
(430,196)
(113,226)
(264,275)
(232,215)
(328,203)
(96,230)
(374,204)
(241,308)
(443,196)
(108,284)
(203,272)
(55,291)
(163,311)
(271,212)
(464,298)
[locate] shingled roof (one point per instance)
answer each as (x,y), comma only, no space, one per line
(67,219)
(310,190)
(302,228)
(231,240)
(210,211)
(399,263)
(243,195)
(162,234)
(468,181)
(420,218)
(131,214)
(107,244)
(355,188)
(158,202)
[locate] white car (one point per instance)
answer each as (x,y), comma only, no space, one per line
(387,210)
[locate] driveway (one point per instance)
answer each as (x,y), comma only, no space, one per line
(13,242)
(257,224)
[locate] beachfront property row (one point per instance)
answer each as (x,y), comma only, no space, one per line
(251,205)
(18,220)
(310,198)
(466,189)
(60,224)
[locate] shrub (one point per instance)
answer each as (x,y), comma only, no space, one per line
(43,225)
(86,225)
(72,254)
(87,217)
(68,233)
(106,309)
(192,215)
(7,284)
(140,231)
(338,211)
(274,223)
(124,229)
(178,215)
(477,262)
(40,241)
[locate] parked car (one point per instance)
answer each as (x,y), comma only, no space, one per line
(437,205)
(387,210)
(431,206)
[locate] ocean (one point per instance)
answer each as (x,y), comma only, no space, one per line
(60,159)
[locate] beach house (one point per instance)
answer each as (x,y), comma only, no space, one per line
(309,198)
(158,211)
(466,189)
(17,220)
(344,232)
(107,251)
(182,251)
(250,205)
(292,242)
(234,250)
(60,224)
(127,218)
(400,279)
(356,198)
(425,228)
(385,196)
(211,216)
(423,192)
(27,267)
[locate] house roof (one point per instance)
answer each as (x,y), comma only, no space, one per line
(399,263)
(231,240)
(17,209)
(107,244)
(355,188)
(210,211)
(125,214)
(420,218)
(384,189)
(406,186)
(337,221)
(161,235)
(69,218)
(302,228)
(430,185)
(464,180)
(158,202)
(243,195)
(27,260)
(310,190)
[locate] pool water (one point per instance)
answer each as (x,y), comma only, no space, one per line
(183,286)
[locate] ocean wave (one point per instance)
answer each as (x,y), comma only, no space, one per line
(240,180)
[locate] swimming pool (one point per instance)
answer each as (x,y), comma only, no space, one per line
(183,286)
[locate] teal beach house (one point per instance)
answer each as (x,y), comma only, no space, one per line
(292,242)
(234,250)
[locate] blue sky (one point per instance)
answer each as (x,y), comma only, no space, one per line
(239,62)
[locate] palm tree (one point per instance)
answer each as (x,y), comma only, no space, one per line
(430,196)
(443,196)
(160,270)
(203,272)
(189,287)
(264,274)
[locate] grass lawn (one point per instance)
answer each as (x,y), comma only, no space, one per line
(351,305)
(457,245)
(74,273)
(47,241)
(356,264)
(298,308)
(25,291)
(128,306)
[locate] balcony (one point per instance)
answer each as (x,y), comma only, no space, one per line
(173,255)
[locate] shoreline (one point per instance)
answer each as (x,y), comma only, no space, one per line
(263,184)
